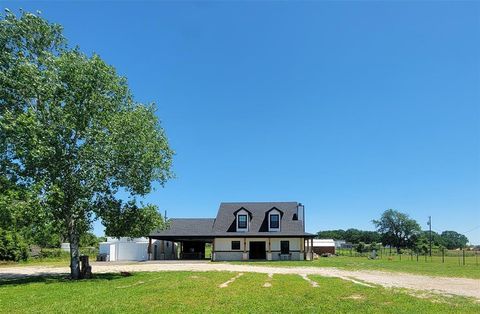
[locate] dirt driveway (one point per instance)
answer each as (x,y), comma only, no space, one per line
(443,285)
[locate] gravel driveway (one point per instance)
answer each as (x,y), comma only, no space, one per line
(443,285)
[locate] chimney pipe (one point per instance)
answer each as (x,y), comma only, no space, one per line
(301,214)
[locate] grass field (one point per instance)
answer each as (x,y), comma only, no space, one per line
(49,261)
(450,268)
(169,292)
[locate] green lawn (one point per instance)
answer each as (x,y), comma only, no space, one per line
(450,268)
(199,292)
(62,260)
(49,261)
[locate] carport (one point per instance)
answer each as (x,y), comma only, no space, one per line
(188,236)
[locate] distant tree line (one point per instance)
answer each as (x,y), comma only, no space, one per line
(397,230)
(351,235)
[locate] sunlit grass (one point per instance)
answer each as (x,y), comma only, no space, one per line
(190,292)
(435,267)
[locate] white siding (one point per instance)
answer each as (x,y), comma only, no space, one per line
(131,251)
(125,251)
(225,244)
(295,243)
(224,252)
(228,256)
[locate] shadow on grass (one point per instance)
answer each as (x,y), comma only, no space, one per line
(14,279)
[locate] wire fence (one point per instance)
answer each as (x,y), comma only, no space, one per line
(458,257)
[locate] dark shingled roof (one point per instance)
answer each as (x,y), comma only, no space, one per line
(224,223)
(188,227)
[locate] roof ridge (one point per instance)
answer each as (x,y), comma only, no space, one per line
(201,218)
(267,202)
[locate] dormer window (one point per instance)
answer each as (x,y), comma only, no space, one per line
(274,221)
(242,221)
(274,217)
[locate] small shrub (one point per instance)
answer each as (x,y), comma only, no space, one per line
(12,246)
(90,251)
(52,253)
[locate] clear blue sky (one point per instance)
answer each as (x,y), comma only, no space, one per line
(350,108)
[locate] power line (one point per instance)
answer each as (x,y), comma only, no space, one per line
(475,228)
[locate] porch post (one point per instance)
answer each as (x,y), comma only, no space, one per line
(173,250)
(212,257)
(149,250)
(308,250)
(245,255)
(162,250)
(269,253)
(305,244)
(311,249)
(302,249)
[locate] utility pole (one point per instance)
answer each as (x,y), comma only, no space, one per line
(430,233)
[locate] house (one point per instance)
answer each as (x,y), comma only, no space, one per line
(323,246)
(240,231)
(130,249)
(342,244)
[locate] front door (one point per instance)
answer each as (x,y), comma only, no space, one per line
(257,250)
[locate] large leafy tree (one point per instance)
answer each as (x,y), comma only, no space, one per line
(453,240)
(22,213)
(397,229)
(331,234)
(70,127)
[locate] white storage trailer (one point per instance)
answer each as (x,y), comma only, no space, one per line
(136,249)
(125,249)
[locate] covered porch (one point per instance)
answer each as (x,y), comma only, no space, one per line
(179,248)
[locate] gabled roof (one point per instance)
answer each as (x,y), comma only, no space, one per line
(224,224)
(187,227)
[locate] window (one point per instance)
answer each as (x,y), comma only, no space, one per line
(242,221)
(284,247)
(274,221)
(235,245)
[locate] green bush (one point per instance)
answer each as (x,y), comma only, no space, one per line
(52,253)
(90,251)
(61,254)
(12,246)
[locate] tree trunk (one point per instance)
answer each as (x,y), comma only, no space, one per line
(74,255)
